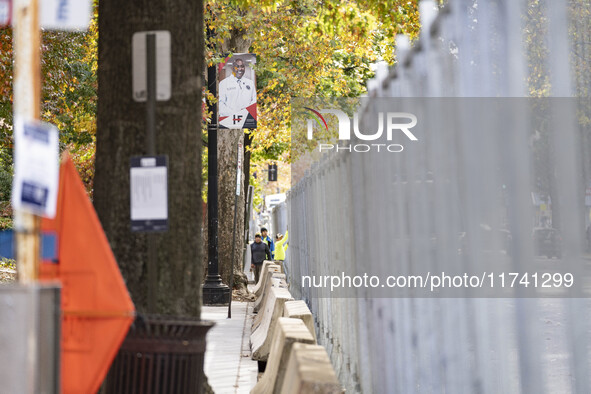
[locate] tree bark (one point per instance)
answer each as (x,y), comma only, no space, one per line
(227,154)
(121,134)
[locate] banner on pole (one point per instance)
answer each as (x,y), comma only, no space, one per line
(237,92)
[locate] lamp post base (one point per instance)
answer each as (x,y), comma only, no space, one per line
(215,293)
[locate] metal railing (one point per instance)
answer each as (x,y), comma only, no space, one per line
(448,201)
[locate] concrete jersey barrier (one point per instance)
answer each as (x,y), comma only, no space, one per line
(272,279)
(275,280)
(309,370)
(289,332)
(267,266)
(299,310)
(260,339)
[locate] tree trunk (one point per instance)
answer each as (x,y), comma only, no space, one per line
(121,134)
(227,154)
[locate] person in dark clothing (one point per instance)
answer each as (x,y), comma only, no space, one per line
(269,241)
(259,252)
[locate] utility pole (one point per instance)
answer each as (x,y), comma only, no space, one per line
(27,106)
(29,310)
(214,291)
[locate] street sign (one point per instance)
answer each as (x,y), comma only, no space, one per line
(5,12)
(65,14)
(149,194)
(272,172)
(139,65)
(239,169)
(96,307)
(36,167)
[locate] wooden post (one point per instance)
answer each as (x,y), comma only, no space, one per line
(27,101)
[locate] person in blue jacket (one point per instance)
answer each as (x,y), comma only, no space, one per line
(269,241)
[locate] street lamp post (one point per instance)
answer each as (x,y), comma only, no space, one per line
(215,292)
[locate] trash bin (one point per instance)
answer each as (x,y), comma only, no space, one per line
(161,354)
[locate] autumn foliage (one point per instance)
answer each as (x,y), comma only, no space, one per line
(69,83)
(304,49)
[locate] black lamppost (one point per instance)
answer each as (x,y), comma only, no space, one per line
(215,292)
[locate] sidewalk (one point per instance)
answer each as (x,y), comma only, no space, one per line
(228,365)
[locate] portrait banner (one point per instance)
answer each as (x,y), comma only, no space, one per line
(237,105)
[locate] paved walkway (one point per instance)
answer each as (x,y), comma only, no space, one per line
(228,365)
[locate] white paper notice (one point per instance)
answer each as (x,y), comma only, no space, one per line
(36,171)
(149,193)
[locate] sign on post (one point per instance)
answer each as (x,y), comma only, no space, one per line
(139,65)
(149,194)
(36,167)
(5,12)
(65,14)
(272,172)
(239,169)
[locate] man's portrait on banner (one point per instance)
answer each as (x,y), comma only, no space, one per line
(237,105)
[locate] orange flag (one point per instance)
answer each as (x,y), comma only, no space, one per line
(96,307)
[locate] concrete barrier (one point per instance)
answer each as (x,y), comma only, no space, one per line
(288,332)
(299,310)
(267,266)
(272,279)
(280,264)
(275,279)
(309,370)
(260,339)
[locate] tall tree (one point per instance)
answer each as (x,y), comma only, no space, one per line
(303,49)
(121,134)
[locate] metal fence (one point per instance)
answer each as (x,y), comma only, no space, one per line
(279,219)
(442,204)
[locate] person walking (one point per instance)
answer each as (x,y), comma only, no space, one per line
(259,252)
(269,241)
(280,247)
